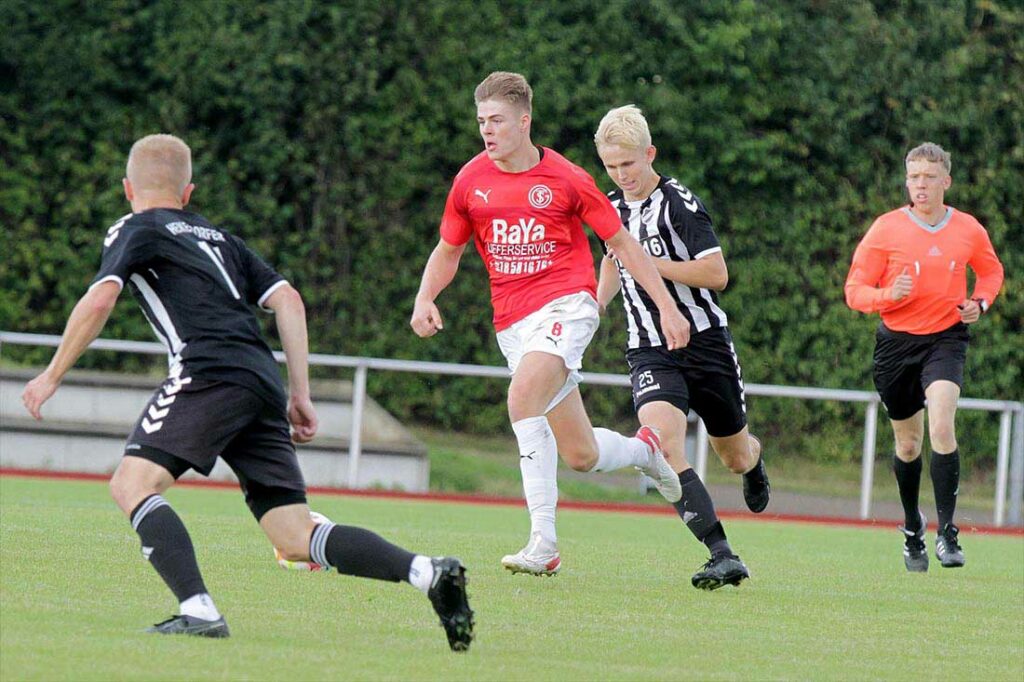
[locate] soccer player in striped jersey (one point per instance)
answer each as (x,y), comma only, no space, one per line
(524,206)
(674,228)
(911,267)
(197,286)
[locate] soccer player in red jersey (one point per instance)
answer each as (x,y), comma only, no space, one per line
(911,267)
(524,206)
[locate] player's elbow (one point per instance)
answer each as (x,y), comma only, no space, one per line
(286,297)
(720,280)
(101,299)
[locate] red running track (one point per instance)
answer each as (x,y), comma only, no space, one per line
(658,510)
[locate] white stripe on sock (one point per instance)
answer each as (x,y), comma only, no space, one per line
(149,505)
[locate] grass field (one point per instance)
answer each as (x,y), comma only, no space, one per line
(823,603)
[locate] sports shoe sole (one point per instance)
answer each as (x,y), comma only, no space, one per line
(549,571)
(710,583)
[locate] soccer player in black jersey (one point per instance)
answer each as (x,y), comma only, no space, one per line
(675,229)
(196,285)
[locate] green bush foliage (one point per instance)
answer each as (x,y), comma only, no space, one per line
(327,134)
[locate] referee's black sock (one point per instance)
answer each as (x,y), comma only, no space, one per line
(698,513)
(908,480)
(945,470)
(359,552)
(167,546)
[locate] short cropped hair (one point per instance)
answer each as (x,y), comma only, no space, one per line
(506,86)
(929,151)
(160,163)
(624,126)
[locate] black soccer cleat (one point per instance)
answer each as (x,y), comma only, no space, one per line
(915,553)
(189,625)
(448,597)
(947,549)
(721,570)
(756,488)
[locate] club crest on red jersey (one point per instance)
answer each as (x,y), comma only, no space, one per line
(540,196)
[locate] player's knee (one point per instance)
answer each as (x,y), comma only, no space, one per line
(908,449)
(127,493)
(943,436)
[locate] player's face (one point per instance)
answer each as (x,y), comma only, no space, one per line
(631,169)
(503,127)
(927,182)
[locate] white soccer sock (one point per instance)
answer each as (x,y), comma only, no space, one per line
(615,451)
(538,462)
(200,606)
(421,573)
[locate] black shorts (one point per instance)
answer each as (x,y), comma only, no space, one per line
(705,375)
(906,364)
(187,425)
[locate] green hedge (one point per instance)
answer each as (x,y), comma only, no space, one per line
(328,136)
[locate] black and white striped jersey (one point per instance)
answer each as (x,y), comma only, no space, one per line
(671,223)
(196,285)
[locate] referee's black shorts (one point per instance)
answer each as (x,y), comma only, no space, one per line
(187,425)
(705,375)
(906,364)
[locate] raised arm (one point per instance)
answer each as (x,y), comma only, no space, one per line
(84,324)
(639,264)
(438,274)
(290,313)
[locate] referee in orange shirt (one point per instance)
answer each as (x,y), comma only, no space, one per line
(911,267)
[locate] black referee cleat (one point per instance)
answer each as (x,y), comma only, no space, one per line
(947,549)
(724,569)
(188,625)
(448,596)
(915,553)
(756,488)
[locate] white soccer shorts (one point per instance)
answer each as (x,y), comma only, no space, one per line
(563,327)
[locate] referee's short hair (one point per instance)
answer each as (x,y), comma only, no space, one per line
(929,151)
(160,162)
(506,86)
(624,126)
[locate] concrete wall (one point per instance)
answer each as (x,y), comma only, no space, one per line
(85,425)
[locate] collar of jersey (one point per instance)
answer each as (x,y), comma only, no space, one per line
(923,225)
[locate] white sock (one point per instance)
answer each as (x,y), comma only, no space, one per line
(615,451)
(421,573)
(538,462)
(200,606)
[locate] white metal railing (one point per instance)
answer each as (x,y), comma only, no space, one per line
(1009,475)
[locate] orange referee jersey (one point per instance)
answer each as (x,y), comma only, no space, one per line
(936,256)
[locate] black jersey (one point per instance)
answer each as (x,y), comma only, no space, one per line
(196,285)
(671,223)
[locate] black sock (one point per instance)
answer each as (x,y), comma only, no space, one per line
(359,552)
(167,546)
(698,513)
(756,475)
(945,470)
(908,480)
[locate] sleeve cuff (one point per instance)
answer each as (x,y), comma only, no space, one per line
(708,252)
(108,278)
(266,294)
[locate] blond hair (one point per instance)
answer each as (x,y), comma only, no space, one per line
(508,87)
(929,151)
(160,163)
(624,126)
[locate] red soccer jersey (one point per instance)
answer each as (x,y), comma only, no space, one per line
(528,228)
(936,256)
